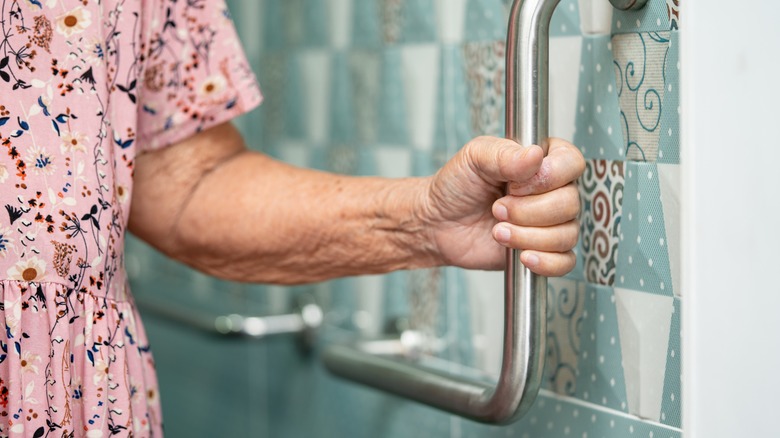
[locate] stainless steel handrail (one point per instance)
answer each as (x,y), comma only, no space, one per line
(308,317)
(525,294)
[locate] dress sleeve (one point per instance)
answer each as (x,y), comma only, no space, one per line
(194,73)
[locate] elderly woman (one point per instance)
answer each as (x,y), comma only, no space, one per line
(114,115)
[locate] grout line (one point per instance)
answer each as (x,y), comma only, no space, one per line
(575,401)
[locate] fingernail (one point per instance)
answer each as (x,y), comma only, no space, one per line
(531,260)
(503,234)
(501,213)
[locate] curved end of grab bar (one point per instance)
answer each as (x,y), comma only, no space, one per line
(525,293)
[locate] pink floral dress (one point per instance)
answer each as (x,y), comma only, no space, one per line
(85,86)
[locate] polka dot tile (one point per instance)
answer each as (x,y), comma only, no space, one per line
(486,20)
(600,371)
(643,261)
(669,141)
(599,129)
(671,407)
(566,19)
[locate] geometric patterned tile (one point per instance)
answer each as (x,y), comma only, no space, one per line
(654,17)
(671,406)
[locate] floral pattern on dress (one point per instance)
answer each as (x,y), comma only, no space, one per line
(85,86)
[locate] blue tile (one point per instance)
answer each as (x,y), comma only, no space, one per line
(392,103)
(671,407)
(643,258)
(418,21)
(669,142)
(294,116)
(598,125)
(600,377)
(486,20)
(315,23)
(453,121)
(366,28)
(566,19)
(342,114)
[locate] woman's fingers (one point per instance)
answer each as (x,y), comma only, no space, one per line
(558,238)
(549,264)
(556,207)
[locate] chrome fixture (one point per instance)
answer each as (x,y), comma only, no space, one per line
(525,294)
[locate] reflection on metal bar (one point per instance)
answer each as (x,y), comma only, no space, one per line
(525,294)
(307,318)
(628,5)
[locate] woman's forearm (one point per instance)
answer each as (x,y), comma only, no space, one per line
(243,216)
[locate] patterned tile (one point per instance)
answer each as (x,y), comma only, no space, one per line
(366,25)
(485,67)
(565,307)
(639,68)
(671,405)
(566,19)
(452,107)
(601,192)
(418,21)
(486,20)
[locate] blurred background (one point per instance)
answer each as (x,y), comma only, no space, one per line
(394,88)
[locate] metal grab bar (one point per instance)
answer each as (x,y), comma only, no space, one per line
(525,294)
(304,321)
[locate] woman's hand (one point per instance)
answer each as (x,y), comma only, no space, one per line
(472,221)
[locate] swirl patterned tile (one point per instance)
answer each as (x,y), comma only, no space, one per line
(391,13)
(601,192)
(639,70)
(565,306)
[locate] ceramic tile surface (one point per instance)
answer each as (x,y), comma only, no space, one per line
(394,88)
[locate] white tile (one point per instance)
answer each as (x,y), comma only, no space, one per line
(486,296)
(644,323)
(669,178)
(451,16)
(393,162)
(315,74)
(340,22)
(565,54)
(421,77)
(596,17)
(295,152)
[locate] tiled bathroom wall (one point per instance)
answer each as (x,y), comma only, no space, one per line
(393,88)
